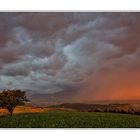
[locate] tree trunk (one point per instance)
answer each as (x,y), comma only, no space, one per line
(11,113)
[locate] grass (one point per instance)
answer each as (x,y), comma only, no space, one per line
(71,119)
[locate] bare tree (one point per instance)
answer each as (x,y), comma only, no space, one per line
(9,99)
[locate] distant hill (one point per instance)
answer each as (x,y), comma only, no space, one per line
(115,108)
(39,99)
(49,99)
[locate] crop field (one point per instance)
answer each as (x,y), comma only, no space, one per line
(70,119)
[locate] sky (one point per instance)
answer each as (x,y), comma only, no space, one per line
(90,55)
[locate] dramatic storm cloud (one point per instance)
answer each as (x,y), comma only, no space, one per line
(93,56)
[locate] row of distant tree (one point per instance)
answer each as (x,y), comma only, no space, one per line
(9,99)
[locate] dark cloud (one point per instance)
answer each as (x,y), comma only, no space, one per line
(69,52)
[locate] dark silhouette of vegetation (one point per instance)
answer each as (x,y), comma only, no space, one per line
(9,99)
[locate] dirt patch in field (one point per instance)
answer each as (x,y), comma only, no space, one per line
(116,108)
(22,109)
(30,109)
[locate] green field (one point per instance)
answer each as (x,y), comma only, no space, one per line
(68,119)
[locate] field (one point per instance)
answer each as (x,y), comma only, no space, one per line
(70,119)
